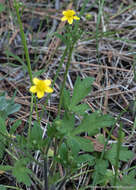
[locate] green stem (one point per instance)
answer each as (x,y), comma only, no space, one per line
(56,149)
(45,158)
(11,154)
(101,4)
(30,118)
(102,154)
(12,187)
(117,157)
(56,76)
(23,40)
(64,81)
(45,174)
(61,95)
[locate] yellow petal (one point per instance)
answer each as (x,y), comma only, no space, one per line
(40,94)
(76,18)
(64,18)
(64,12)
(71,12)
(68,12)
(33,89)
(35,81)
(47,82)
(49,90)
(70,20)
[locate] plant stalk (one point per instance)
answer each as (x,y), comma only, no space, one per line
(64,81)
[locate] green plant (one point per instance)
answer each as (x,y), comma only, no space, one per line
(7,106)
(74,140)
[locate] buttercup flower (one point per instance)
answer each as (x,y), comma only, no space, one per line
(40,87)
(69,15)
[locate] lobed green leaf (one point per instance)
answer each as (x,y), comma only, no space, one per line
(81,90)
(92,123)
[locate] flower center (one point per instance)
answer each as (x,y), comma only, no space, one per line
(41,86)
(70,15)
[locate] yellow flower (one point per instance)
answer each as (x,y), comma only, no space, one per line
(69,15)
(40,87)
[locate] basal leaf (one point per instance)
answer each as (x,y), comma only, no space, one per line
(12,108)
(111,154)
(93,122)
(15,126)
(2,7)
(36,134)
(124,155)
(3,129)
(86,158)
(80,109)
(7,106)
(2,187)
(6,168)
(128,181)
(3,103)
(21,172)
(63,152)
(84,144)
(66,99)
(3,114)
(3,135)
(101,166)
(73,145)
(66,124)
(51,129)
(81,90)
(100,171)
(78,143)
(2,149)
